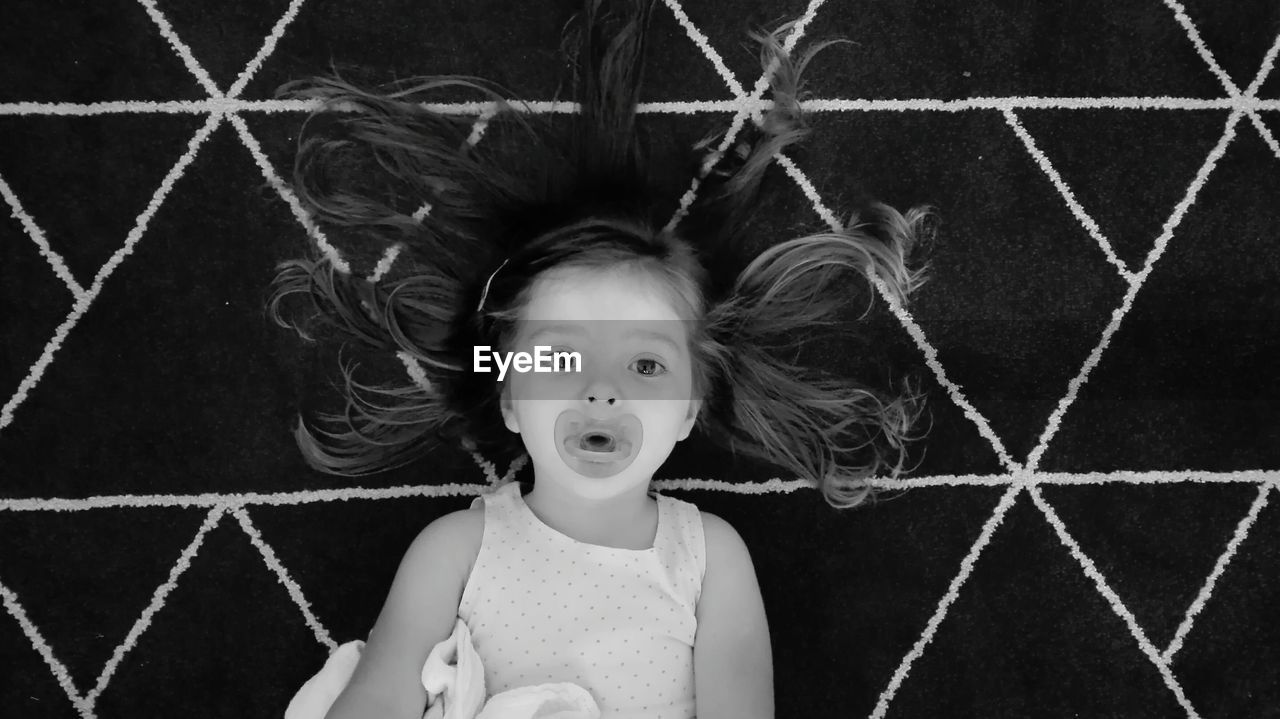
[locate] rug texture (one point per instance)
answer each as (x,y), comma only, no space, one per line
(1092,525)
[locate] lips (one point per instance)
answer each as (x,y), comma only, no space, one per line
(596,447)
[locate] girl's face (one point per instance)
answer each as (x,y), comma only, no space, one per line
(628,378)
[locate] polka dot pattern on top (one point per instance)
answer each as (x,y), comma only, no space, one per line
(543,607)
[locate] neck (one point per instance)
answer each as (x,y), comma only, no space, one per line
(624,521)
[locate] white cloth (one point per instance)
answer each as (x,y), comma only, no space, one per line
(320,692)
(454,679)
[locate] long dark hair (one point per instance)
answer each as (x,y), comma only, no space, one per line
(397,174)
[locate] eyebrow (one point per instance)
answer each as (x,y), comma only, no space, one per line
(577,331)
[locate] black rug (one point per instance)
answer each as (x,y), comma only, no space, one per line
(1092,530)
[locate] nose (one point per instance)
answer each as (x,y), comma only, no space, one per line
(600,392)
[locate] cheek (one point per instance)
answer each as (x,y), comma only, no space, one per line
(537,423)
(662,423)
(533,413)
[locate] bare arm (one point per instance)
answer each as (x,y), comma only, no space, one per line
(420,611)
(732,657)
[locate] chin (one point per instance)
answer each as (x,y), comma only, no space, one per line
(638,473)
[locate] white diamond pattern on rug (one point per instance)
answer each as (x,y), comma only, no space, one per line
(249,599)
(1105,679)
(226,557)
(240,30)
(84,209)
(1128,189)
(1033,343)
(61,564)
(1141,546)
(1187,341)
(21,280)
(332,571)
(1236,36)
(1239,680)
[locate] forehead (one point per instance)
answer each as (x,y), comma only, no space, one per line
(583,296)
(608,307)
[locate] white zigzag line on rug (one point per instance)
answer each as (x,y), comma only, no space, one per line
(1113,599)
(904,317)
(184,52)
(86,299)
(1006,501)
(1166,235)
(1134,287)
(19,613)
(1013,489)
(85,705)
(1203,51)
(157,603)
(1161,660)
(286,193)
(666,107)
(1220,566)
(274,564)
(704,45)
(1076,209)
(773,486)
(745,103)
(42,244)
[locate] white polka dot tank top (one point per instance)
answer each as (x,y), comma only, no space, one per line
(544,607)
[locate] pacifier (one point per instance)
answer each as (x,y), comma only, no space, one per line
(598,448)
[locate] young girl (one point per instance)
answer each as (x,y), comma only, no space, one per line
(586,576)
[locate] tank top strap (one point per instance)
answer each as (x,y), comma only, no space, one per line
(502,516)
(685,540)
(491,497)
(504,535)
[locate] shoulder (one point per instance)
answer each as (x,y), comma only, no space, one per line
(461,532)
(713,525)
(725,548)
(459,525)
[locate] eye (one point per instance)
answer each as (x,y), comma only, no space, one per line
(561,364)
(657,365)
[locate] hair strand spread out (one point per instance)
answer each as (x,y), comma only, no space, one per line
(387,171)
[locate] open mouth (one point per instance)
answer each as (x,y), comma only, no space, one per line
(597,442)
(598,445)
